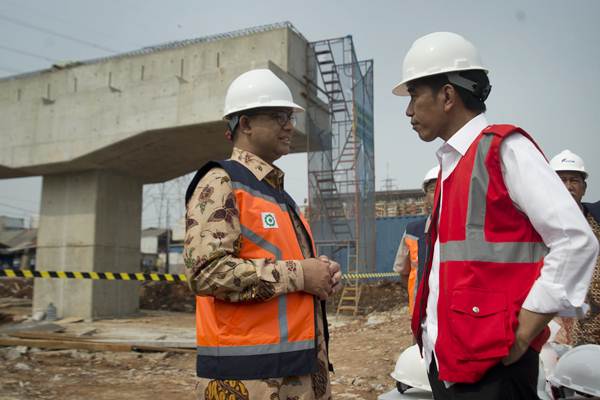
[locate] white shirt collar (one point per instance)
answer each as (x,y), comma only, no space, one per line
(463,138)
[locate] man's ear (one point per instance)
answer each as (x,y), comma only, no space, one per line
(244,126)
(449,96)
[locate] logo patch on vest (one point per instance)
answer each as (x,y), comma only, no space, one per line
(269,221)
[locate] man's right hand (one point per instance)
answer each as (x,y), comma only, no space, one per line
(317,279)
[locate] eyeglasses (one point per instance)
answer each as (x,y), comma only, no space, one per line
(282,117)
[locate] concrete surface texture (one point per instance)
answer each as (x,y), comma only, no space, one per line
(98,130)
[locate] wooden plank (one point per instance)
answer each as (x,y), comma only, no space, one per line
(59,344)
(86,345)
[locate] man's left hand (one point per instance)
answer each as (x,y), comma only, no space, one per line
(516,352)
(335,272)
(530,325)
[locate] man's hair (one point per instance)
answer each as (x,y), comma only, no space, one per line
(474,101)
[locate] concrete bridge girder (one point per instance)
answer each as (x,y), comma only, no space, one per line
(97,131)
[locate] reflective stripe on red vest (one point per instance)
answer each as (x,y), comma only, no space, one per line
(490,256)
(260,340)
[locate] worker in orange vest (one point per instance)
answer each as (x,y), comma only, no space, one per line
(261,326)
(509,248)
(411,255)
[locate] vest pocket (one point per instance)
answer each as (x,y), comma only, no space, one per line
(479,323)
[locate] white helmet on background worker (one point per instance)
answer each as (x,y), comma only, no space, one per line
(258,88)
(566,160)
(578,370)
(431,175)
(437,53)
(410,370)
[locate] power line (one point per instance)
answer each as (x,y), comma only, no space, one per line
(57,34)
(18,208)
(31,10)
(26,53)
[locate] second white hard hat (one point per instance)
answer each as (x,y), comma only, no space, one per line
(437,53)
(579,369)
(566,160)
(256,89)
(431,175)
(410,369)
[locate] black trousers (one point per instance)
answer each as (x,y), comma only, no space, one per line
(517,381)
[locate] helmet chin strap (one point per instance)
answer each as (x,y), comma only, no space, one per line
(481,93)
(232,123)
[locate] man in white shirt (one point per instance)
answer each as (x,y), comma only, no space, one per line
(510,247)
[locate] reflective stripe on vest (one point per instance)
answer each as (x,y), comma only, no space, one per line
(475,247)
(284,345)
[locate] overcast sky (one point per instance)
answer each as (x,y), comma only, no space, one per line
(543,57)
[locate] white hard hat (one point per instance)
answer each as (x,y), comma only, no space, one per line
(437,53)
(431,175)
(410,369)
(579,369)
(256,89)
(568,161)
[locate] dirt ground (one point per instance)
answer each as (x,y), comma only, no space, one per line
(363,350)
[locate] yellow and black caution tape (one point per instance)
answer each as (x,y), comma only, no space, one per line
(139,276)
(111,276)
(372,275)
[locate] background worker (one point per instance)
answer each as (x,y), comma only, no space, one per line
(509,247)
(411,255)
(571,170)
(250,259)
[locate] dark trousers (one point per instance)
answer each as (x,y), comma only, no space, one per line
(514,382)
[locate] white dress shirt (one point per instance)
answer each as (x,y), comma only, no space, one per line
(536,190)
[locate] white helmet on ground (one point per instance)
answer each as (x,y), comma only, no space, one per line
(410,370)
(258,88)
(437,53)
(431,175)
(566,160)
(579,370)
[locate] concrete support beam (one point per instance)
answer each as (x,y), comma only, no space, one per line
(90,221)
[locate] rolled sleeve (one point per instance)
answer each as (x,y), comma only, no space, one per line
(402,260)
(537,191)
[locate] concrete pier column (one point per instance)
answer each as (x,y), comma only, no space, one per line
(89,221)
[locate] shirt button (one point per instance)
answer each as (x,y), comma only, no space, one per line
(475,309)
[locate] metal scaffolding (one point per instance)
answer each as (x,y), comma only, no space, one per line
(341,172)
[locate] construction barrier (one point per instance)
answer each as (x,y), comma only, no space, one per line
(139,276)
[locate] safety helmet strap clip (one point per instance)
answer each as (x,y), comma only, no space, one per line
(478,91)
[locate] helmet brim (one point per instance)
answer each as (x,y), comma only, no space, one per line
(271,104)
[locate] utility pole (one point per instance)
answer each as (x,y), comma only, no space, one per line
(167,265)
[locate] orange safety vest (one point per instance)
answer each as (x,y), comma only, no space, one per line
(270,339)
(490,257)
(414,240)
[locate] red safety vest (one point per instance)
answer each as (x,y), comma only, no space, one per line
(275,338)
(490,256)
